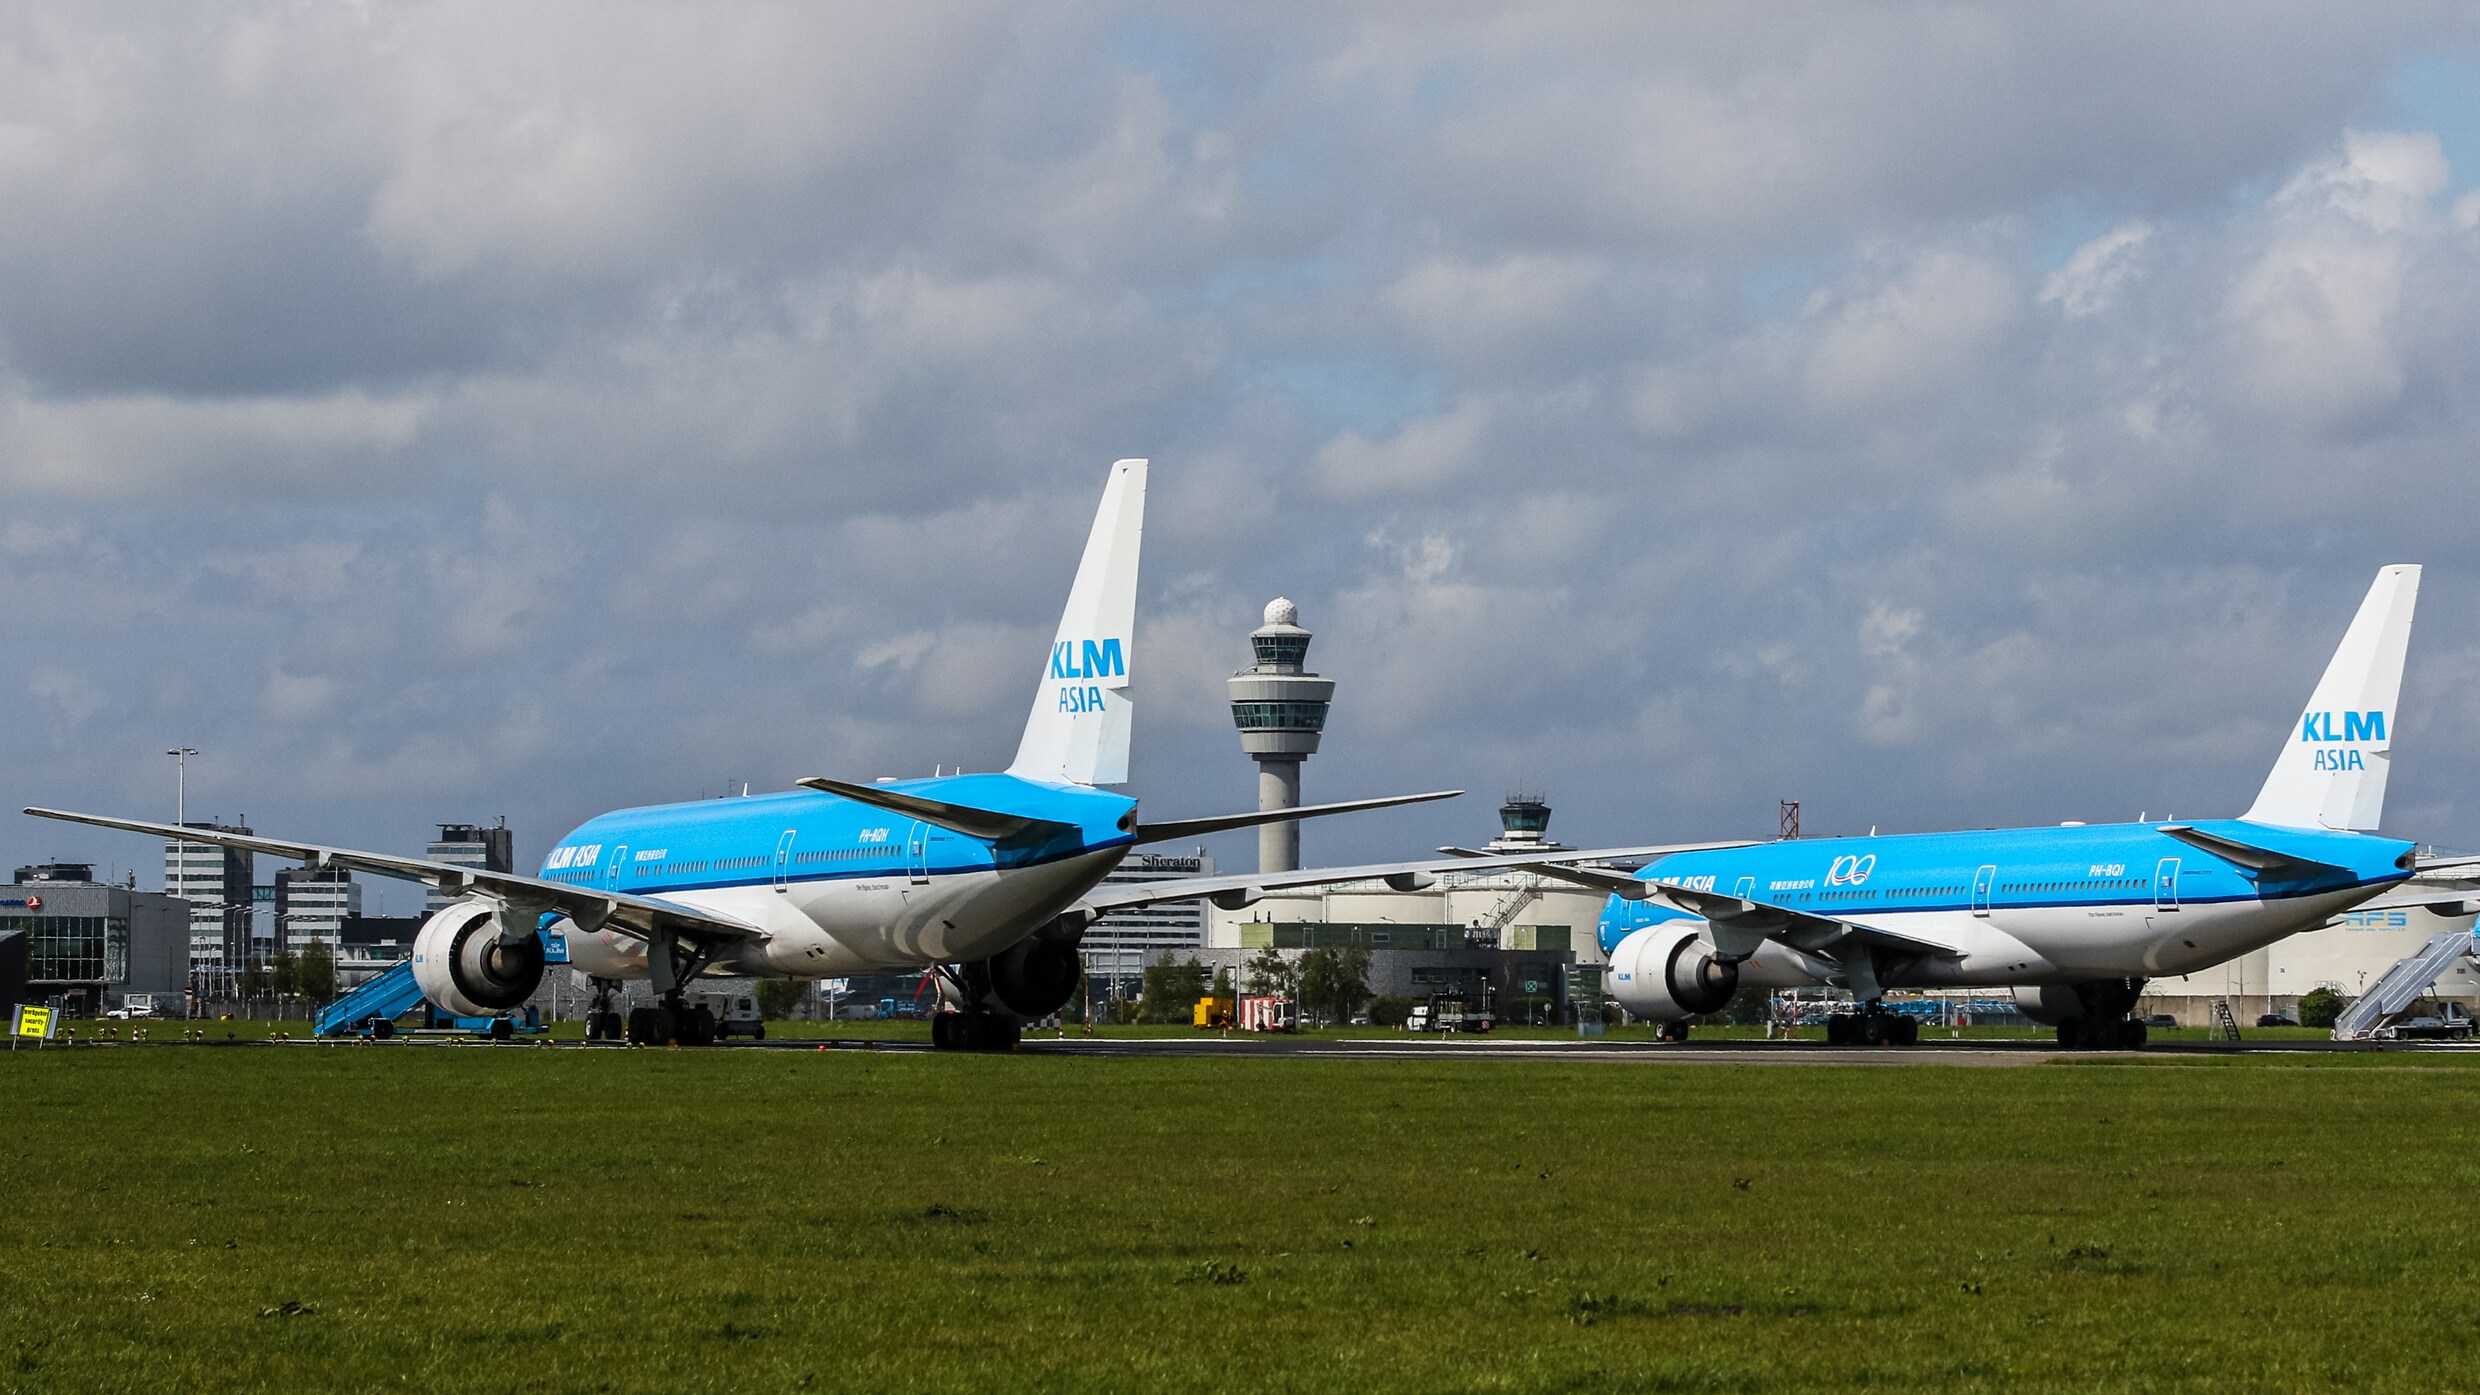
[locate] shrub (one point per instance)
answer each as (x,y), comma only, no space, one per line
(2319,1008)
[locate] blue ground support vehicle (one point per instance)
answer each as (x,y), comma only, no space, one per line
(372,1009)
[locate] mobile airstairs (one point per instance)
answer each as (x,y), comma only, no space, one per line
(381,1001)
(372,1009)
(2402,985)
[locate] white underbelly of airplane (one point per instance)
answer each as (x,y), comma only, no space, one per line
(829,929)
(2043,944)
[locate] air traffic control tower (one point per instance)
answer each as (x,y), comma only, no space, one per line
(1280,708)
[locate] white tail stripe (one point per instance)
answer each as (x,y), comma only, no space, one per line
(1078,730)
(2331,773)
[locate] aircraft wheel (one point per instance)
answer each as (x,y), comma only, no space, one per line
(1906,1031)
(1674,1031)
(1872,1030)
(2071,1033)
(2135,1035)
(1838,1030)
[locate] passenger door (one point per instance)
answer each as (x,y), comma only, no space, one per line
(783,860)
(2166,885)
(917,853)
(1984,887)
(611,871)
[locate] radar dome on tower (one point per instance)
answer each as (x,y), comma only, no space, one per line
(1281,611)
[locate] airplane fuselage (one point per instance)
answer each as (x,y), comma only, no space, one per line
(836,887)
(2033,905)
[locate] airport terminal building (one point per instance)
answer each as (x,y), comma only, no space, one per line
(90,944)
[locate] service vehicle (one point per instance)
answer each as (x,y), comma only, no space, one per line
(735,1014)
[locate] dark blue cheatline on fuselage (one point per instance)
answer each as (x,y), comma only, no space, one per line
(806,836)
(1998,870)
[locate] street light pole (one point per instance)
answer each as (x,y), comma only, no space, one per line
(180,816)
(180,805)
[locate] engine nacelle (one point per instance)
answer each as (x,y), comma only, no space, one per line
(1668,973)
(2048,1003)
(2052,1003)
(463,967)
(1034,977)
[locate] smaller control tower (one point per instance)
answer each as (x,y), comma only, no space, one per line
(1280,708)
(1524,826)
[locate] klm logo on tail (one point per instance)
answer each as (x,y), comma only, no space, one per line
(1071,658)
(2356,726)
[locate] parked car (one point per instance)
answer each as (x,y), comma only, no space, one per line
(2161,1019)
(2275,1019)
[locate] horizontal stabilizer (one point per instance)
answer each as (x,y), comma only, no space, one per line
(2265,862)
(990,825)
(1177,829)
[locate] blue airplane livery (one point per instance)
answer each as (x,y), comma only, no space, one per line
(990,880)
(2074,918)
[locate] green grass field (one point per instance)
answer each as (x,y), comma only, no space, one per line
(327,1218)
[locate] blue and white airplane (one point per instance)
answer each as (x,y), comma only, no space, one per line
(2073,918)
(989,878)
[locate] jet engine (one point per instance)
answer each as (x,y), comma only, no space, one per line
(1668,972)
(2052,1003)
(465,969)
(1034,977)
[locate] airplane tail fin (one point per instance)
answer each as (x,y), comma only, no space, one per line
(2331,773)
(1078,731)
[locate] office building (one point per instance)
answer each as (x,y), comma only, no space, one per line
(89,945)
(216,882)
(1119,946)
(314,905)
(487,849)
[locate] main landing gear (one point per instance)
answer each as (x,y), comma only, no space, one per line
(2100,1034)
(671,1024)
(671,961)
(1872,1026)
(975,1031)
(2106,1021)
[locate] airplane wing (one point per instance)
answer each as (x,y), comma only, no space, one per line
(639,916)
(1233,892)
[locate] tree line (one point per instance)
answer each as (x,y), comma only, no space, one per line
(1331,985)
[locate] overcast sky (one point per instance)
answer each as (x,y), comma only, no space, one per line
(1945,416)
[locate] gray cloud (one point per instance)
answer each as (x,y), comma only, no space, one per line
(1945,416)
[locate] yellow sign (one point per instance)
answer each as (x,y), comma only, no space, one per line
(34,1022)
